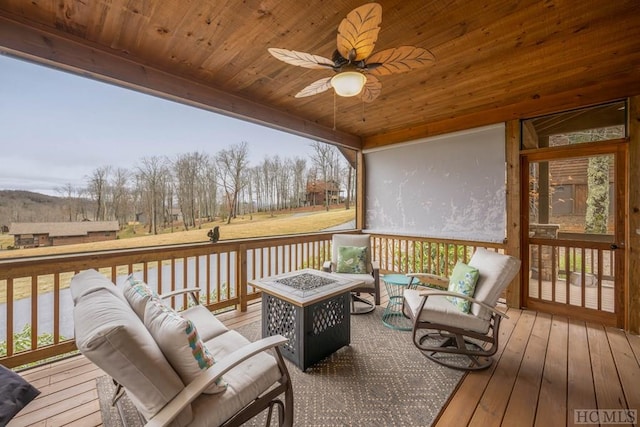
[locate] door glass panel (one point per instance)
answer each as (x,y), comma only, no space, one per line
(573,198)
(599,123)
(572,202)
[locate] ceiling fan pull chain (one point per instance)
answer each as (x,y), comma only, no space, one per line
(363,119)
(334,110)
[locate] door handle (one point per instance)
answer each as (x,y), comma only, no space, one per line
(615,246)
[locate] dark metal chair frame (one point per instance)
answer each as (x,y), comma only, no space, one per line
(476,347)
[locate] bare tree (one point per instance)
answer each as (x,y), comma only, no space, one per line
(120,195)
(208,188)
(347,178)
(299,168)
(323,158)
(152,177)
(230,167)
(188,168)
(97,189)
(70,194)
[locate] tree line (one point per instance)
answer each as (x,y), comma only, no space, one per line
(203,186)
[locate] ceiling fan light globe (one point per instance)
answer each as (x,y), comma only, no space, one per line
(348,83)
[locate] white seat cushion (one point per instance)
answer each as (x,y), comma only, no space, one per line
(438,309)
(245,382)
(207,324)
(367,279)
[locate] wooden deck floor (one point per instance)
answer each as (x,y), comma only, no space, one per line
(546,367)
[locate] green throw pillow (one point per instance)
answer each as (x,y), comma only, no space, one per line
(463,281)
(352,259)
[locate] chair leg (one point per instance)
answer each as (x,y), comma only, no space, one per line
(280,406)
(453,350)
(365,306)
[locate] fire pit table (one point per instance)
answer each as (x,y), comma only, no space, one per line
(309,307)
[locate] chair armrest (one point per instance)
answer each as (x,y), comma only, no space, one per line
(208,377)
(326,266)
(429,293)
(191,291)
(431,279)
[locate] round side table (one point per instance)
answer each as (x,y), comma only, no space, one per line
(392,316)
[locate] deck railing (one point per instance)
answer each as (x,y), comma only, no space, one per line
(36,308)
(403,254)
(573,277)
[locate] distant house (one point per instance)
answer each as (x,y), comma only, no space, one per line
(175,215)
(317,190)
(36,234)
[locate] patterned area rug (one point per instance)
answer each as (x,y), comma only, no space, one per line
(381,379)
(123,413)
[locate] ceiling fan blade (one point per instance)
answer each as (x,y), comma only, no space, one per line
(371,89)
(399,60)
(301,59)
(358,32)
(314,88)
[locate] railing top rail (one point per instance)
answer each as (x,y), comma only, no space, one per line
(48,264)
(473,243)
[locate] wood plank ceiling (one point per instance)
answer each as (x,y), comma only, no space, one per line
(496,60)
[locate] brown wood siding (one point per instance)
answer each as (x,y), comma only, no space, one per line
(91,237)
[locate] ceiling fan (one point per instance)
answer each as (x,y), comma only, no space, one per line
(353,61)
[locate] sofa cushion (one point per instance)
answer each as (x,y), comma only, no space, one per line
(245,382)
(110,334)
(496,272)
(180,342)
(360,240)
(88,281)
(207,324)
(137,293)
(15,394)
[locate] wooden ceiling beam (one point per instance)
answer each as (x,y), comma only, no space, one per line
(598,93)
(79,56)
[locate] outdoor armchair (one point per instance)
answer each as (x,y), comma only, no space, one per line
(458,326)
(351,257)
(178,369)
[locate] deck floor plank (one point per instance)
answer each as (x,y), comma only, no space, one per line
(493,403)
(626,365)
(580,388)
(634,342)
(609,393)
(463,403)
(49,399)
(521,408)
(552,399)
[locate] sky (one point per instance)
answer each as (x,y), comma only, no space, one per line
(56,128)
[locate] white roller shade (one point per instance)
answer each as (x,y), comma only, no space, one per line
(451,186)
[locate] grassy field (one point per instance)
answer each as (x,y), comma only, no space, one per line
(241,228)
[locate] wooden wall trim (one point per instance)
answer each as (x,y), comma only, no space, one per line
(80,57)
(561,101)
(513,247)
(632,253)
(361,187)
